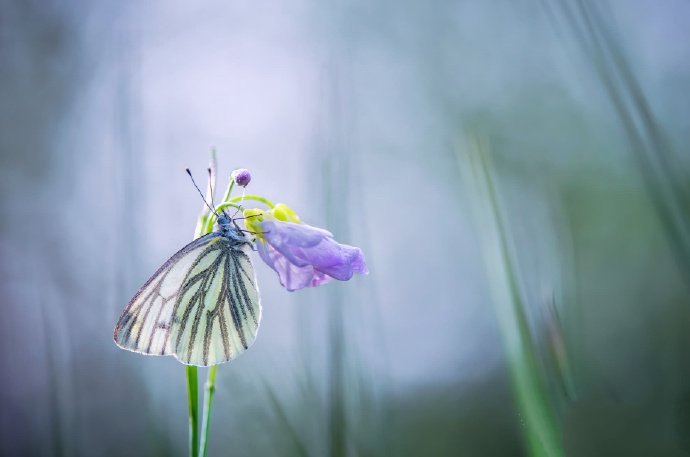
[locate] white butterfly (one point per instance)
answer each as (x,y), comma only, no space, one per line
(201,306)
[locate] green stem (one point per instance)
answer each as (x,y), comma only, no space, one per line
(265,201)
(191,371)
(192,392)
(208,401)
(211,379)
(228,191)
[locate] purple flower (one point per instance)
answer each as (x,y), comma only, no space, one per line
(242,177)
(306,256)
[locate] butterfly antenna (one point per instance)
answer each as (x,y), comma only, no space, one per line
(210,184)
(200,193)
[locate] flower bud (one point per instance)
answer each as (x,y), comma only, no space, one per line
(241,177)
(282,212)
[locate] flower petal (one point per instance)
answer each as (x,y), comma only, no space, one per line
(339,261)
(292,277)
(303,235)
(306,256)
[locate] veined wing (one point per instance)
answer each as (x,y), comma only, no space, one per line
(202,305)
(217,312)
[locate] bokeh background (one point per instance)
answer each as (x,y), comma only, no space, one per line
(517,174)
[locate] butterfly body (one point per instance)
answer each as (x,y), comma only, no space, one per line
(226,227)
(201,306)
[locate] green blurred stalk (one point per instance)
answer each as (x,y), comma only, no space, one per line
(337,422)
(653,155)
(193,394)
(208,401)
(540,428)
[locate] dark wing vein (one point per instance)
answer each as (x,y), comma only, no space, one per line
(241,288)
(138,310)
(196,301)
(169,317)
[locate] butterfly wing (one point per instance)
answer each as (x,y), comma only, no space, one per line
(202,305)
(217,313)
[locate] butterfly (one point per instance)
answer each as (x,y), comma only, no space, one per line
(201,306)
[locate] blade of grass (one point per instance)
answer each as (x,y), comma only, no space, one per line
(285,423)
(336,372)
(651,152)
(541,430)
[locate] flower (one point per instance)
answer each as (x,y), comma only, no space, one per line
(302,255)
(241,177)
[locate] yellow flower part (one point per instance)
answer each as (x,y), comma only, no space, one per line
(255,216)
(252,221)
(282,212)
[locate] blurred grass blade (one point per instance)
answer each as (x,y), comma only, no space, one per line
(653,156)
(540,428)
(286,424)
(210,193)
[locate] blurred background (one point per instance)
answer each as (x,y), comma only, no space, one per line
(515,172)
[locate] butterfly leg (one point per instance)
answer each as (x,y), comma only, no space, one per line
(237,210)
(247,217)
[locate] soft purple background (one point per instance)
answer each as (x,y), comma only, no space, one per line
(349,112)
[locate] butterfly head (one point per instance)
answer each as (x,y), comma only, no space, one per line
(225,224)
(228,227)
(224,221)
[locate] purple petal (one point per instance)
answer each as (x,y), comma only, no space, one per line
(306,256)
(278,233)
(339,261)
(291,276)
(287,237)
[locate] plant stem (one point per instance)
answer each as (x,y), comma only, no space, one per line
(257,198)
(208,401)
(211,379)
(234,200)
(191,371)
(192,392)
(228,191)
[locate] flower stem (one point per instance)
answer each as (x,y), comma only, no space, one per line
(208,401)
(211,379)
(191,371)
(265,201)
(192,392)
(228,191)
(232,202)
